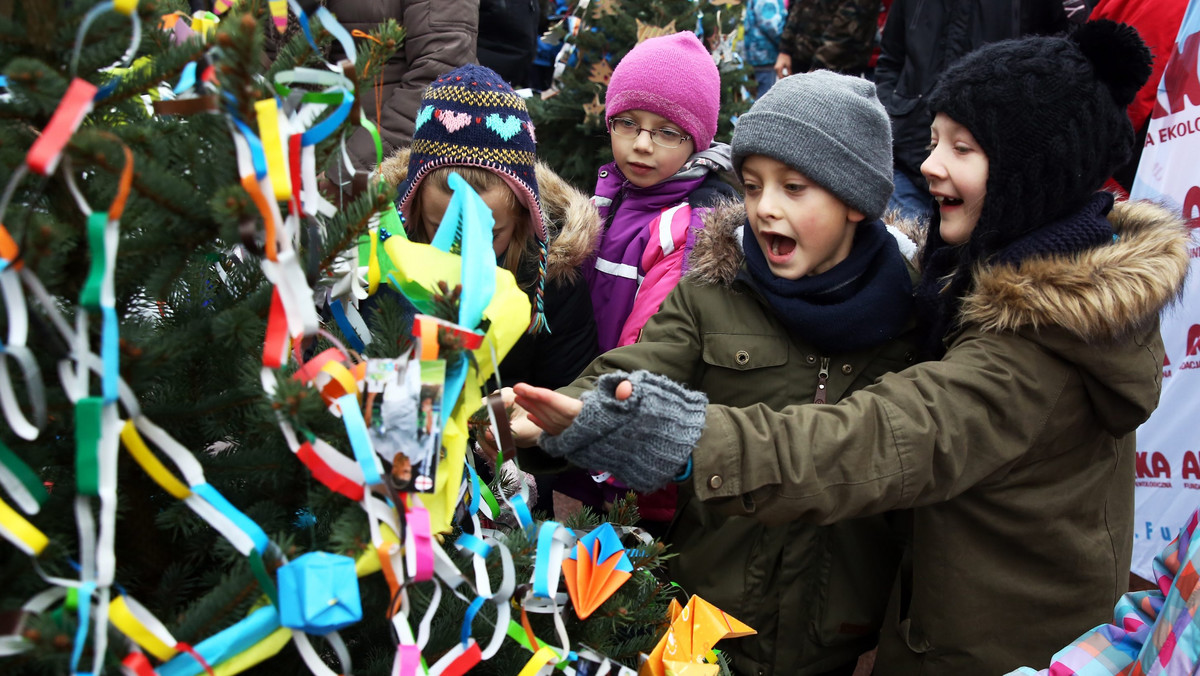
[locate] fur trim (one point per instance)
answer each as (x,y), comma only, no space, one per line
(1100,295)
(716,255)
(573,222)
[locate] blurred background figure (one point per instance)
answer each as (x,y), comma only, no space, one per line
(763,23)
(508,34)
(836,35)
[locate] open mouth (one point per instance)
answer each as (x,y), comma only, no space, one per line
(948,201)
(780,246)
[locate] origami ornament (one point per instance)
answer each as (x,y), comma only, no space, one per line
(318,593)
(595,569)
(601,73)
(695,629)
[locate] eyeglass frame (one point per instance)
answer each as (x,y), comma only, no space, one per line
(653,132)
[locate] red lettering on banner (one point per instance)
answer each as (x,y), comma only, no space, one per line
(1193,340)
(1180,78)
(1191,468)
(1156,468)
(1191,202)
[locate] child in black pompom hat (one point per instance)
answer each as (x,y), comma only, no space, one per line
(1047,118)
(1012,456)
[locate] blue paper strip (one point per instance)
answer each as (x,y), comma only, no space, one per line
(110,354)
(476,496)
(356,429)
(465,633)
(477,546)
(214,498)
(83,607)
(256,149)
(343,322)
(521,510)
(225,644)
(325,127)
(541,582)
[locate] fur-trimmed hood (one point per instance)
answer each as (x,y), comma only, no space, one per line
(572,220)
(716,256)
(1099,296)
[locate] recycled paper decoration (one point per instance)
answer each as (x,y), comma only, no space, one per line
(318,593)
(595,569)
(695,629)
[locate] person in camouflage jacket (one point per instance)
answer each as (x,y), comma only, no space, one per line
(836,35)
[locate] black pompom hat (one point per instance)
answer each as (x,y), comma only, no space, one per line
(1049,112)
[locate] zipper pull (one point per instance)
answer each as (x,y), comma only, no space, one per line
(822,381)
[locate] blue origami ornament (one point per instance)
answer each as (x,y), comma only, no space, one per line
(318,593)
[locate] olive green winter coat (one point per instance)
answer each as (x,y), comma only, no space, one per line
(816,595)
(1015,453)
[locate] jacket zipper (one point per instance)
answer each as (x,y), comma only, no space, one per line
(822,381)
(614,205)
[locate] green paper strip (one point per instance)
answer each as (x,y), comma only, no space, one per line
(370,127)
(517,633)
(264,580)
(87,445)
(28,478)
(90,296)
(486,494)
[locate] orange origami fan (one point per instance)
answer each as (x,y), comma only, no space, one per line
(595,569)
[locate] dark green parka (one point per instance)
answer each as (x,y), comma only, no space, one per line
(1014,453)
(815,594)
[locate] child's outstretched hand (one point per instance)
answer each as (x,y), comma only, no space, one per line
(554,412)
(640,426)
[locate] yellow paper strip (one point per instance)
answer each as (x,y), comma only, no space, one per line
(122,616)
(540,659)
(268,132)
(263,650)
(22,533)
(152,465)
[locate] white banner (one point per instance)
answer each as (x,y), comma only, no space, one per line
(1168,453)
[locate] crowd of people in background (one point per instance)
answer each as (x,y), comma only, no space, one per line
(882,394)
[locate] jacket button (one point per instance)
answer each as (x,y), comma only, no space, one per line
(908,357)
(812,359)
(742,357)
(847,369)
(715,481)
(603,174)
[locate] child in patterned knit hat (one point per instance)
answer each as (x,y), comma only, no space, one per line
(472,123)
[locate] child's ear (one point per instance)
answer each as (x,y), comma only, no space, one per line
(855,216)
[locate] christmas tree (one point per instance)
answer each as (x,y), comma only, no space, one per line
(169,462)
(570,115)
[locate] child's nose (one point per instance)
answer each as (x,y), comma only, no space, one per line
(932,167)
(768,206)
(643,141)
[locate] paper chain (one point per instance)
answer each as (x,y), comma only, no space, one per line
(278,164)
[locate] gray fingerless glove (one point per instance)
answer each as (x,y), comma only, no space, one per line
(645,441)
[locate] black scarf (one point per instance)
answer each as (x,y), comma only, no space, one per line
(861,302)
(946,270)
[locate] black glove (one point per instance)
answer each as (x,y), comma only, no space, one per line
(644,441)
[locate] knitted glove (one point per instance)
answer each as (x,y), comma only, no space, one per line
(645,441)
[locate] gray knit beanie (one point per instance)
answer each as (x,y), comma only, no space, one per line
(829,127)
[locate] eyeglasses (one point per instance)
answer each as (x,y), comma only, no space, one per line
(666,138)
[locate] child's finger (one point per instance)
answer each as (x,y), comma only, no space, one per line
(624,390)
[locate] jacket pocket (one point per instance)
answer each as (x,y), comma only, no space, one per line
(744,352)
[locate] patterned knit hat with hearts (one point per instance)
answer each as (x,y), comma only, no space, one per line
(470,117)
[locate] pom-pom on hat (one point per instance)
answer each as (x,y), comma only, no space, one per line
(1049,112)
(829,127)
(673,76)
(470,117)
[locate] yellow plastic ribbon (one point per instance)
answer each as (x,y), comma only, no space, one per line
(420,266)
(126,620)
(268,132)
(20,532)
(151,464)
(343,376)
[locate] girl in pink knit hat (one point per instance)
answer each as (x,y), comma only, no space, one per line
(661,113)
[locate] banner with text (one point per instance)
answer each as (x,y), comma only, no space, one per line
(1168,454)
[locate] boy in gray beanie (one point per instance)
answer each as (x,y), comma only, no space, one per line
(811,303)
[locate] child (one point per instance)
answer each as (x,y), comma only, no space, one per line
(762,26)
(1015,450)
(661,112)
(818,306)
(472,123)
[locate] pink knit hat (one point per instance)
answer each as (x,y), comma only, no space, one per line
(673,76)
